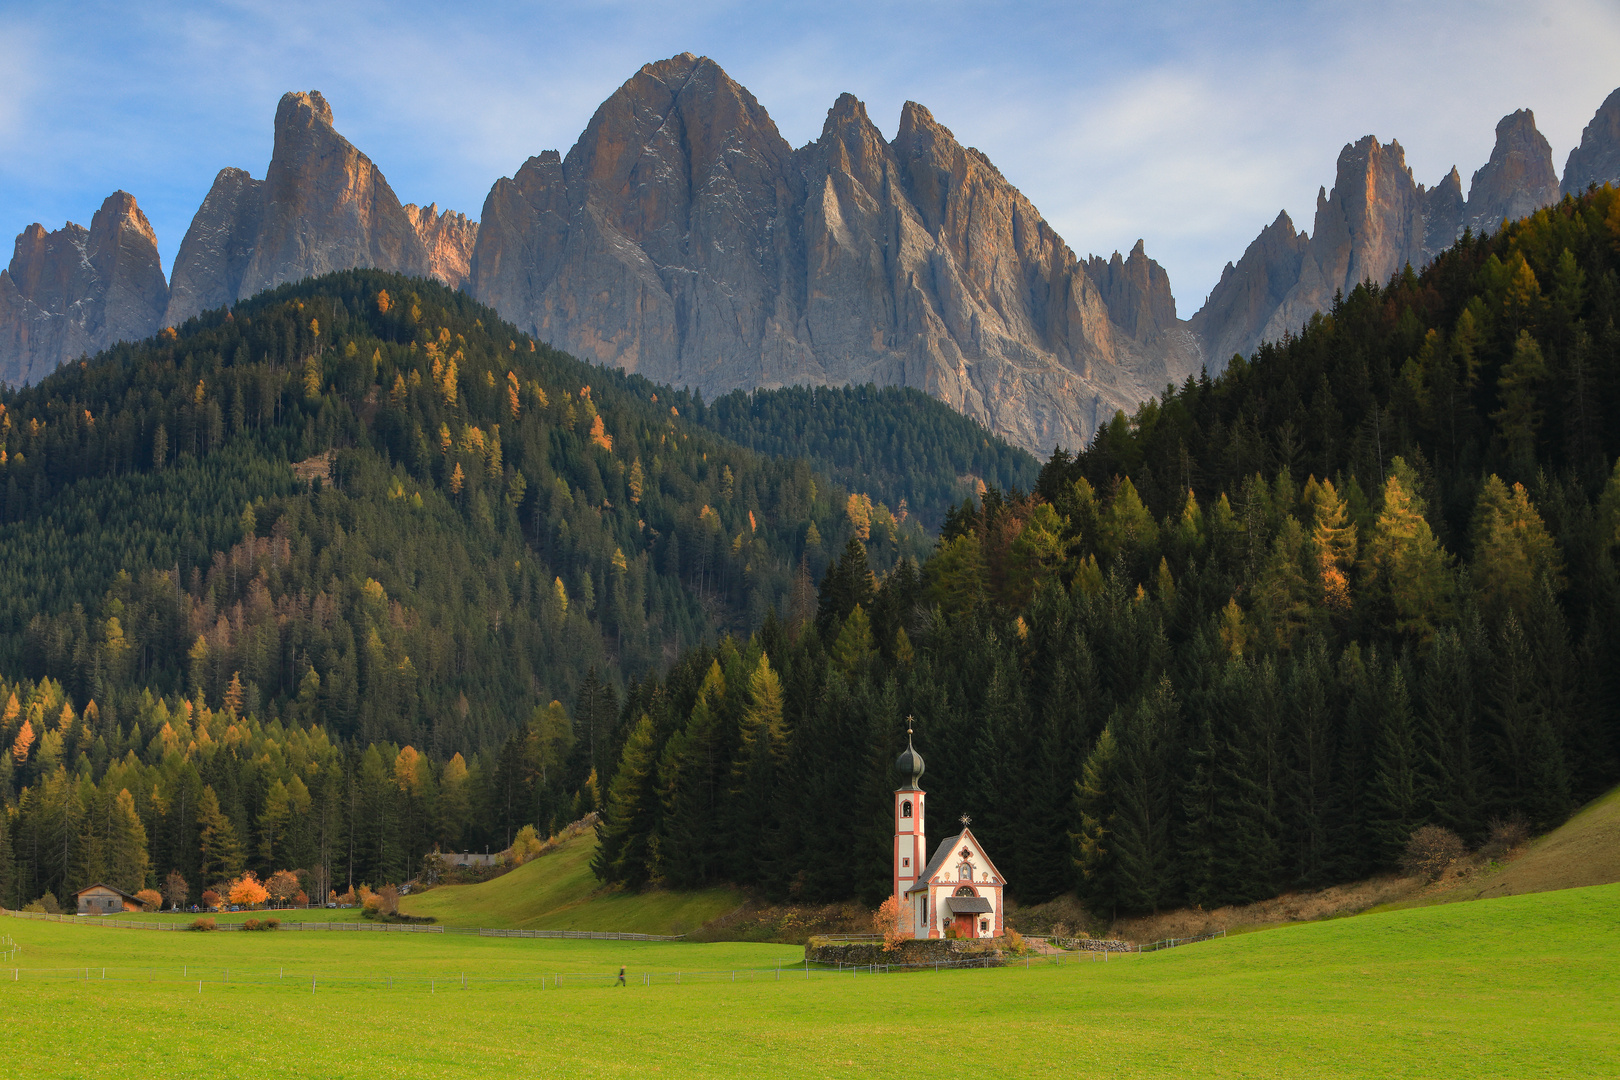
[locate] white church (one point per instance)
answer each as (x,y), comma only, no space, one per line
(960,889)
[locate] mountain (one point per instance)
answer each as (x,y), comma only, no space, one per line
(74,291)
(1518,180)
(1376,220)
(683,238)
(322,206)
(1597,159)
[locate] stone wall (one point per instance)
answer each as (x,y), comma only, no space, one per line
(919,951)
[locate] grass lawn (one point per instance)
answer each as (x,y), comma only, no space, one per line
(558,892)
(1512,987)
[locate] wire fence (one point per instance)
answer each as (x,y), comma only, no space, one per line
(379,927)
(206,978)
(1171,943)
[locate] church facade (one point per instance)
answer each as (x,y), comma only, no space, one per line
(958,892)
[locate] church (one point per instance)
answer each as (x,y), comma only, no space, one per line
(959,892)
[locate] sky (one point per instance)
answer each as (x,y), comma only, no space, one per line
(1187,125)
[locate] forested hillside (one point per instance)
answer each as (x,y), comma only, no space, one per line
(364,515)
(1250,639)
(898,445)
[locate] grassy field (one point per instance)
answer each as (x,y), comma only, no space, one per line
(558,892)
(1511,987)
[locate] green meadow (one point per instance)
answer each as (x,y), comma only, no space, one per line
(557,891)
(1512,987)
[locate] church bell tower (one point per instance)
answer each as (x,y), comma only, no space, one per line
(910,846)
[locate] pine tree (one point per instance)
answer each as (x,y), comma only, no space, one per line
(1449,729)
(630,816)
(127,860)
(1095,810)
(1396,782)
(1143,849)
(221,850)
(1407,570)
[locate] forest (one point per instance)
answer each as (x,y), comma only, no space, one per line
(1249,639)
(355,570)
(361,510)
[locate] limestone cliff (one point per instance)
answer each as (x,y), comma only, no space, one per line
(683,238)
(1518,180)
(448,237)
(1597,159)
(76,291)
(1243,301)
(1376,220)
(322,206)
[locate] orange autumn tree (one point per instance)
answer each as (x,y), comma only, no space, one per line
(283,886)
(247,891)
(890,921)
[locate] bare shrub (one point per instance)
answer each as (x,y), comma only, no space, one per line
(1430,850)
(202,924)
(1505,836)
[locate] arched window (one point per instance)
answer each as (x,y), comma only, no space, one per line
(966,890)
(905,808)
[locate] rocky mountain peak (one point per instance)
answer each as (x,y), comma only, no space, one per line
(77,290)
(1518,180)
(322,206)
(301,109)
(1597,159)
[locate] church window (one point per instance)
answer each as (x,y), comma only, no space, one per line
(905,862)
(966,890)
(905,808)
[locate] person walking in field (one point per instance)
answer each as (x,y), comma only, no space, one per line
(621,975)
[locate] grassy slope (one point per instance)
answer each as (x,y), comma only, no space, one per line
(1585,850)
(1519,986)
(558,892)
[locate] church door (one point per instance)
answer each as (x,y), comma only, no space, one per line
(965,927)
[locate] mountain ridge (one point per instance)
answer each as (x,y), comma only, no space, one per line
(683,238)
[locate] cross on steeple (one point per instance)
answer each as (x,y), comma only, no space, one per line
(966,821)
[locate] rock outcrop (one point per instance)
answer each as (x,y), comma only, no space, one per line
(322,206)
(75,291)
(684,239)
(1518,180)
(1234,317)
(1376,220)
(449,238)
(1597,159)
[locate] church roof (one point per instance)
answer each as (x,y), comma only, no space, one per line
(943,852)
(940,854)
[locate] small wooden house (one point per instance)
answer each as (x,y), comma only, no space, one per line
(101,899)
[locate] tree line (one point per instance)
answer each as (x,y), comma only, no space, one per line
(1250,639)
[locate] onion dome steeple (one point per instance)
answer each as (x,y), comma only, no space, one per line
(909,763)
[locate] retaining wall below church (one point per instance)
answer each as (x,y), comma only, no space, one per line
(919,951)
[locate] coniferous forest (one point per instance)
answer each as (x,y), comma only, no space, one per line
(362,515)
(1250,639)
(355,570)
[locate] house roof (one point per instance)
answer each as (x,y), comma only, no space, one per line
(109,888)
(967,905)
(943,852)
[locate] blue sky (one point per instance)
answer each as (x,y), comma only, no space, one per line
(1187,124)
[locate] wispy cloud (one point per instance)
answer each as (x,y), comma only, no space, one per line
(1189,125)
